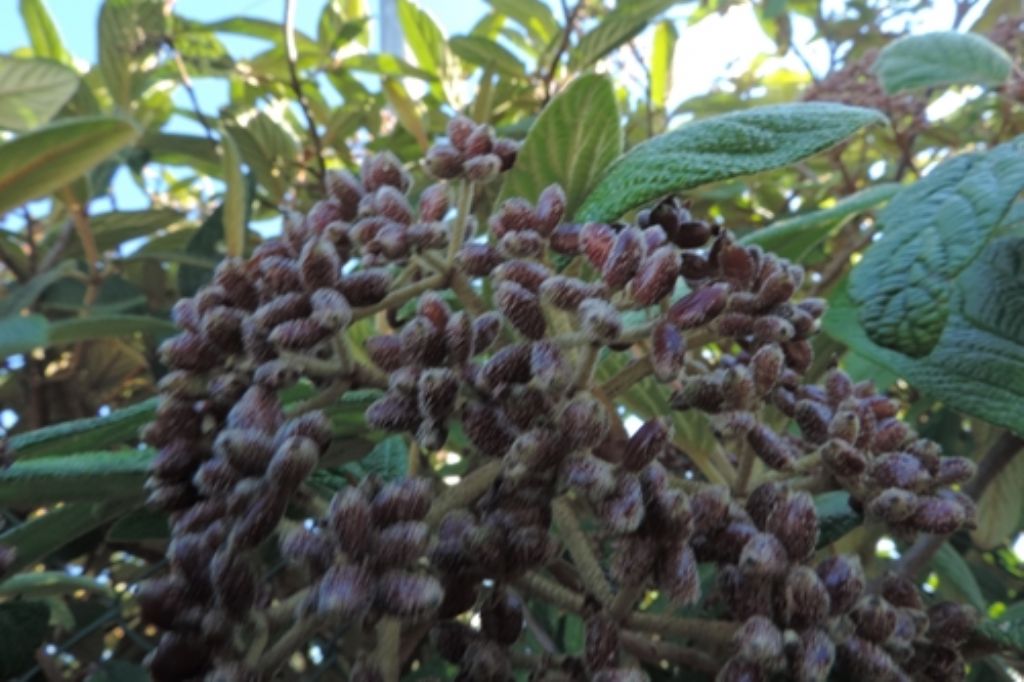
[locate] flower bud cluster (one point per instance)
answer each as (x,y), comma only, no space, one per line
(472,152)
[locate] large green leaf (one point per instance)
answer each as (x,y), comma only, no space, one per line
(942,58)
(662,56)
(81,476)
(1008,629)
(427,42)
(931,231)
(112,229)
(533,15)
(128,31)
(22,296)
(571,143)
(22,333)
(49,583)
(234,216)
(43,535)
(1001,507)
(615,29)
(972,368)
(23,629)
(719,148)
(267,147)
(91,327)
(386,65)
(793,237)
(82,435)
(32,91)
(956,581)
(42,32)
(48,158)
(488,54)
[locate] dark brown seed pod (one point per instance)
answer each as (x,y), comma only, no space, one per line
(190,352)
(319,265)
(842,459)
(955,470)
(677,574)
(550,209)
(813,657)
(437,389)
(937,515)
(349,518)
(444,161)
(247,450)
(698,307)
(594,476)
(394,412)
(647,444)
(385,351)
(345,592)
(298,335)
(799,355)
(522,309)
(330,308)
(400,543)
(406,594)
(528,274)
(890,434)
(384,168)
(899,470)
(600,320)
(771,448)
(766,366)
(404,500)
(584,422)
(482,169)
(344,187)
(760,642)
(894,505)
(485,330)
(596,240)
(522,244)
(656,277)
(566,239)
(860,659)
(901,592)
(567,293)
(501,617)
(279,275)
(624,258)
(258,409)
(795,523)
(295,459)
(422,342)
(486,429)
(259,520)
(623,510)
(813,418)
(950,624)
(739,670)
(321,214)
(365,287)
(763,555)
(874,617)
(803,601)
(549,369)
(843,578)
(633,559)
(222,327)
(763,500)
(710,506)
(668,351)
(601,641)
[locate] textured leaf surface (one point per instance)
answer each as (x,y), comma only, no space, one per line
(106,326)
(973,369)
(32,91)
(956,581)
(1007,630)
(662,55)
(81,435)
(533,15)
(571,143)
(615,29)
(48,158)
(83,476)
(22,333)
(1001,507)
(793,237)
(942,58)
(931,231)
(488,54)
(719,148)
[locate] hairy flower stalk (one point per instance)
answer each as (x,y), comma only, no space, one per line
(505,373)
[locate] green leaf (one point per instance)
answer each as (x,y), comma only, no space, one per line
(92,327)
(128,31)
(972,369)
(487,54)
(931,231)
(46,159)
(1001,507)
(427,42)
(662,55)
(713,149)
(142,524)
(615,29)
(573,140)
(81,476)
(835,517)
(389,459)
(42,32)
(956,580)
(234,198)
(406,111)
(533,15)
(81,435)
(386,65)
(23,629)
(22,333)
(793,237)
(182,150)
(59,527)
(203,243)
(49,583)
(267,147)
(116,670)
(941,58)
(32,91)
(113,229)
(1007,630)
(20,297)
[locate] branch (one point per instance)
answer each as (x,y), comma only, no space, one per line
(654,651)
(186,81)
(570,20)
(293,56)
(582,553)
(994,461)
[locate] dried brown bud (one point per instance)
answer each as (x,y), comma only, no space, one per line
(365,287)
(486,428)
(623,510)
(763,500)
(393,412)
(521,308)
(550,209)
(601,647)
(899,470)
(298,335)
(624,257)
(890,434)
(763,555)
(938,515)
(295,459)
(893,505)
(330,309)
(813,418)
(600,320)
(771,448)
(647,444)
(345,592)
(656,277)
(874,617)
(698,307)
(766,365)
(403,500)
(566,239)
(843,578)
(485,331)
(795,523)
(803,601)
(596,240)
(483,169)
(525,273)
(759,641)
(409,595)
(189,351)
(668,351)
(583,421)
(344,187)
(384,168)
(955,470)
(521,244)
(677,574)
(444,161)
(319,265)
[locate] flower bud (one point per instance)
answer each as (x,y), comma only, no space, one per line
(677,574)
(298,335)
(407,499)
(875,618)
(178,657)
(365,287)
(521,308)
(583,421)
(763,500)
(486,429)
(437,389)
(528,274)
(813,418)
(259,520)
(349,518)
(647,444)
(485,331)
(950,623)
(771,448)
(596,240)
(331,309)
(799,355)
(567,293)
(501,617)
(594,476)
(344,187)
(400,543)
(656,277)
(624,258)
(280,275)
(408,595)
(345,592)
(550,209)
(478,260)
(511,364)
(385,352)
(482,169)
(319,265)
(843,578)
(698,307)
(384,168)
(763,555)
(444,161)
(893,505)
(766,365)
(295,459)
(864,660)
(566,239)
(601,647)
(955,470)
(549,370)
(393,412)
(937,515)
(803,601)
(890,434)
(710,506)
(190,352)
(814,656)
(795,524)
(521,244)
(258,409)
(759,641)
(623,510)
(600,320)
(247,450)
(738,670)
(899,470)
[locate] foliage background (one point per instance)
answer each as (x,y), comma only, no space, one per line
(202,141)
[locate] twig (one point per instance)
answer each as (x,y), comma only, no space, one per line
(468,489)
(653,651)
(400,296)
(463,205)
(1002,452)
(389,637)
(570,20)
(579,548)
(552,592)
(293,57)
(697,629)
(294,637)
(186,81)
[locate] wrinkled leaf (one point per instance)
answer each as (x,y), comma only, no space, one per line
(32,91)
(931,231)
(81,476)
(571,143)
(82,435)
(941,58)
(42,32)
(793,237)
(708,150)
(533,15)
(1001,507)
(615,29)
(487,54)
(46,159)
